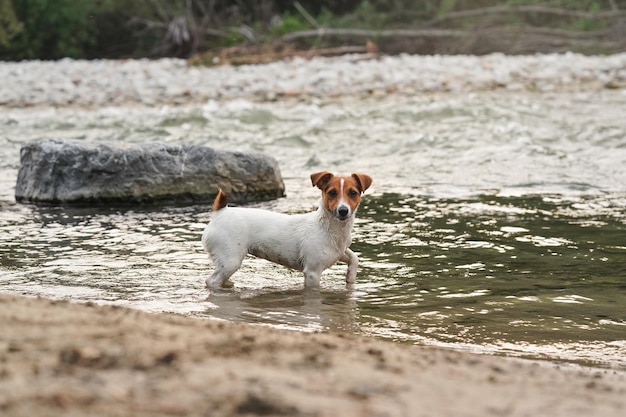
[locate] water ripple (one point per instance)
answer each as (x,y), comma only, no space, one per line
(495,223)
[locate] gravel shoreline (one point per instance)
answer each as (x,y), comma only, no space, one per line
(171,81)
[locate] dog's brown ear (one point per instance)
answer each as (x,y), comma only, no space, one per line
(321,179)
(363,180)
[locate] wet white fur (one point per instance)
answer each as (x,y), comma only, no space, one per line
(309,242)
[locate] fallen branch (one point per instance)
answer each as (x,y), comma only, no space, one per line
(527,9)
(519,39)
(434,33)
(556,33)
(244,55)
(365,33)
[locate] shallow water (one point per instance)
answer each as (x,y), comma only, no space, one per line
(496,222)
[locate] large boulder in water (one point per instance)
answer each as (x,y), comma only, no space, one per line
(56,171)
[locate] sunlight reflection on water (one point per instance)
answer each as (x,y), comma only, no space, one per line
(495,223)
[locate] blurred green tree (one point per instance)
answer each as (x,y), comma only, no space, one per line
(10,26)
(52,29)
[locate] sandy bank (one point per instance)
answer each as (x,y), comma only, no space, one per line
(76,360)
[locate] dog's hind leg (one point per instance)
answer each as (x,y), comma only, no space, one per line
(222,273)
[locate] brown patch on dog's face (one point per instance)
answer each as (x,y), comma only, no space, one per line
(341,195)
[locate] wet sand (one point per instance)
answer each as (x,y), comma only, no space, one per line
(59,358)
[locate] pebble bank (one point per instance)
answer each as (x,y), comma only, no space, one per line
(167,81)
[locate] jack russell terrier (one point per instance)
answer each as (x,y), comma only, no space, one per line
(310,242)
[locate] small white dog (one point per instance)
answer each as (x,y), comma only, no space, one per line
(310,242)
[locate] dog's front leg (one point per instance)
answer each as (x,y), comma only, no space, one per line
(351,259)
(312,277)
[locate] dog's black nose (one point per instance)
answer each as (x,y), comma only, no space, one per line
(343,211)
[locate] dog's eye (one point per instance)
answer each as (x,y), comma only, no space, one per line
(352,193)
(332,193)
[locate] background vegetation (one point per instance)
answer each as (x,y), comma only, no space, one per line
(53,29)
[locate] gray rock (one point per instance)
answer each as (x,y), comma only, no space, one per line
(56,171)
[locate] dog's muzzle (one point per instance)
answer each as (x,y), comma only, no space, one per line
(342,213)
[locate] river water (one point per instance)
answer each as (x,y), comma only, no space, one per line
(496,221)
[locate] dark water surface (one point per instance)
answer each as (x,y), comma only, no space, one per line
(496,223)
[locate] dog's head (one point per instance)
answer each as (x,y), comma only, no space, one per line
(341,195)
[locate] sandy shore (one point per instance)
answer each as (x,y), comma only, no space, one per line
(65,359)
